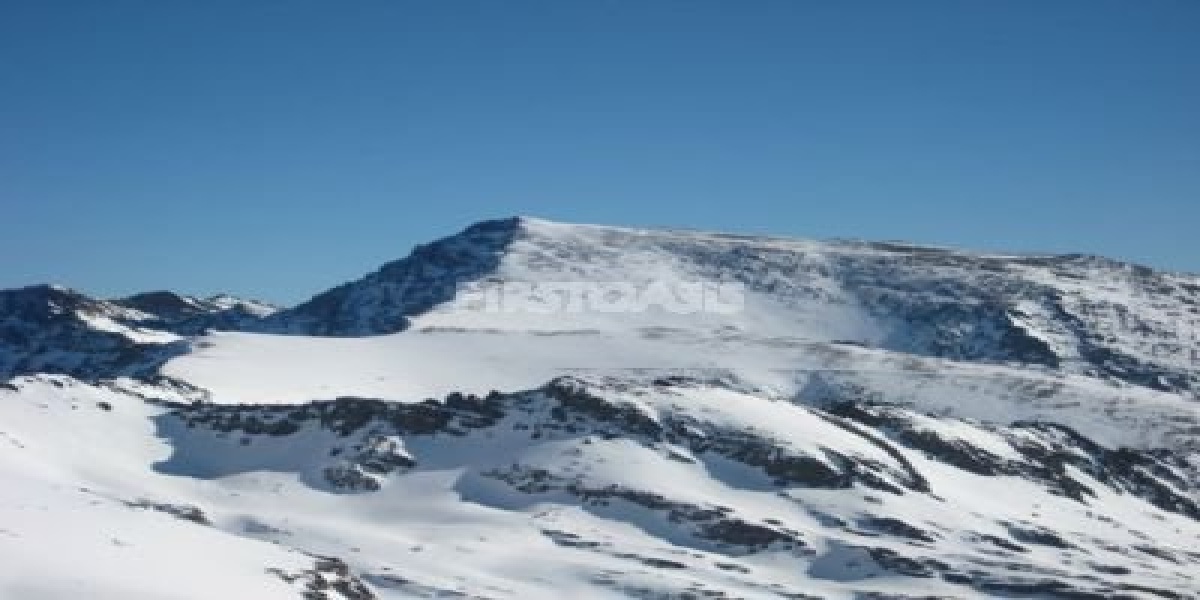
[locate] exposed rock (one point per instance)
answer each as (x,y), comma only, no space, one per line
(186,512)
(329,579)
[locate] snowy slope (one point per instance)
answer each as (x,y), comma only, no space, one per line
(858,420)
(596,488)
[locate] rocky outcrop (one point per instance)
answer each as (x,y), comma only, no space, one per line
(383,301)
(48,329)
(329,579)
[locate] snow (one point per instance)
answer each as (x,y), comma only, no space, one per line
(242,368)
(70,468)
(224,302)
(136,335)
(606,512)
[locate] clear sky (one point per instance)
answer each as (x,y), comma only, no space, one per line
(276,148)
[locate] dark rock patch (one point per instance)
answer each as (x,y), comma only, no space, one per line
(896,527)
(185,512)
(1037,535)
(329,579)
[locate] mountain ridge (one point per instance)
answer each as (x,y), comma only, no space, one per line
(1009,292)
(940,302)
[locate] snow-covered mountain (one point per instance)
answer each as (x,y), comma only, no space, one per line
(191,316)
(1076,313)
(52,329)
(481,419)
(178,312)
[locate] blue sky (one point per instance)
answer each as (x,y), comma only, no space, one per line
(276,148)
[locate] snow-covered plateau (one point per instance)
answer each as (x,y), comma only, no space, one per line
(867,420)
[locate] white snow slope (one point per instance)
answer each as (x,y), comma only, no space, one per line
(875,420)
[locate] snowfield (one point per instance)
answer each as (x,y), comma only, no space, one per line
(877,421)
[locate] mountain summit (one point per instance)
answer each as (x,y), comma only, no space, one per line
(383,301)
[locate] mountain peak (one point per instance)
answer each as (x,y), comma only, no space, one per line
(511,224)
(162,303)
(383,301)
(44,299)
(172,307)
